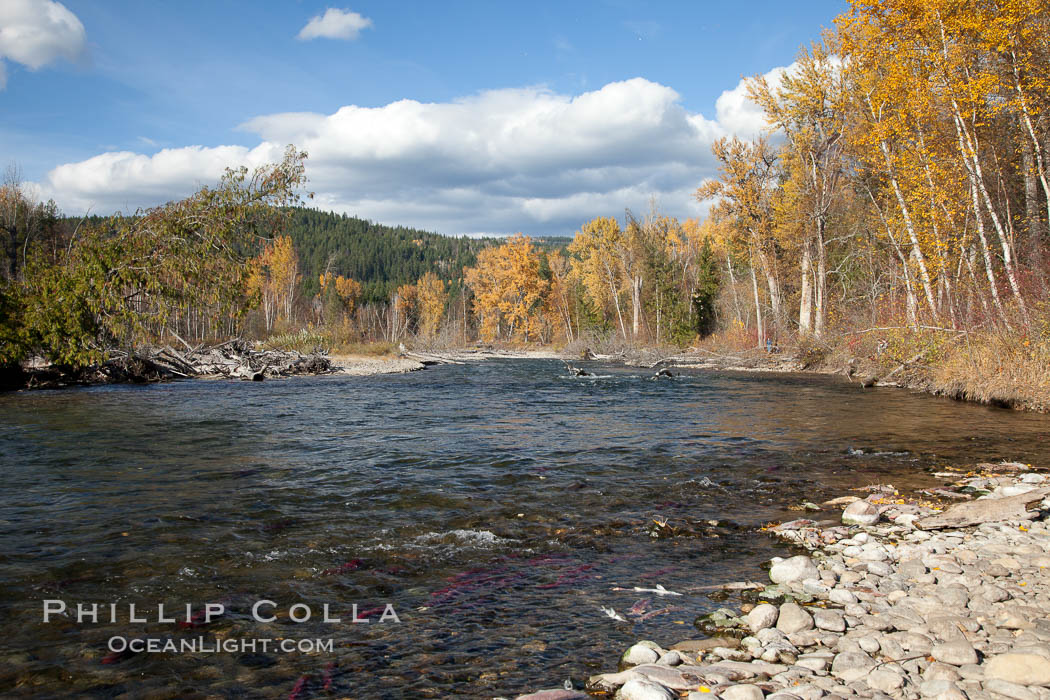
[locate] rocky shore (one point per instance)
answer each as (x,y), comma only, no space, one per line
(898,597)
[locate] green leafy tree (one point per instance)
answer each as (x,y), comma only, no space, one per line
(120,284)
(708,283)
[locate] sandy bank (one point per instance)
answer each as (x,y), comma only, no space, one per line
(365,366)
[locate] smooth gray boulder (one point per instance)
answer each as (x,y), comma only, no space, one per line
(860,513)
(793,618)
(830,620)
(793,569)
(886,681)
(744,691)
(639,654)
(762,617)
(957,653)
(642,689)
(1024,669)
(851,666)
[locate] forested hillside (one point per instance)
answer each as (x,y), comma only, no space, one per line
(380,257)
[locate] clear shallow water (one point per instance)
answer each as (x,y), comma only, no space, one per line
(495,506)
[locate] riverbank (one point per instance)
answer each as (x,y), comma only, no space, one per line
(409,361)
(990,369)
(896,598)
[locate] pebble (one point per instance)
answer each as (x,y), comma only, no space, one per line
(672,658)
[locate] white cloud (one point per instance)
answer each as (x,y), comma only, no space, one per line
(526,159)
(36,33)
(334,24)
(739,114)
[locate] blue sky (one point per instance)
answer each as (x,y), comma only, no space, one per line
(461,117)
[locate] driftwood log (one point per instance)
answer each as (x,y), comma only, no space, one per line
(237,359)
(985,510)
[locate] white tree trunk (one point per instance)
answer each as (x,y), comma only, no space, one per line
(758,309)
(805,307)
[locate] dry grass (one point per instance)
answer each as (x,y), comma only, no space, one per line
(305,340)
(379,349)
(1006,369)
(996,367)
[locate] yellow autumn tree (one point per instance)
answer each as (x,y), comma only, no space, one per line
(808,107)
(558,305)
(508,289)
(596,260)
(337,299)
(274,277)
(404,310)
(430,290)
(746,194)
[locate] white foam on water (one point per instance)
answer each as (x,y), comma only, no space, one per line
(450,541)
(470,538)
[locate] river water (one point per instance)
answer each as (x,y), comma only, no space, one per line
(495,507)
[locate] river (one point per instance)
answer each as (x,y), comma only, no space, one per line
(494,507)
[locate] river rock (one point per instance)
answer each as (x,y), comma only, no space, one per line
(1010,690)
(816,661)
(642,689)
(831,620)
(911,568)
(841,596)
(879,568)
(672,658)
(870,643)
(941,690)
(860,513)
(762,617)
(1024,669)
(956,653)
(884,680)
(744,691)
(793,618)
(640,653)
(851,665)
(693,646)
(793,569)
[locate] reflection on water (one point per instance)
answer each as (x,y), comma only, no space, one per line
(496,507)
